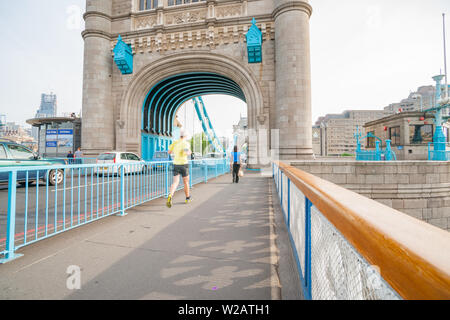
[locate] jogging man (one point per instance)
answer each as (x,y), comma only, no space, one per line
(180,150)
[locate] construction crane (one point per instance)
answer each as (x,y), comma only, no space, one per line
(207,125)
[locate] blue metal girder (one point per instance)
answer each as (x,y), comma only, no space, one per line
(175,98)
(175,105)
(163,104)
(168,95)
(171,84)
(172,112)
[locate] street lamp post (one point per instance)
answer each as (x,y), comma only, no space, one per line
(439,137)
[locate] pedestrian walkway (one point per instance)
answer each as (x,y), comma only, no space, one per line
(226,244)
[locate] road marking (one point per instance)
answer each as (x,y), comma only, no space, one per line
(85,185)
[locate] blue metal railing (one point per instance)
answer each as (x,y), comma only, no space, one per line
(376,155)
(82,194)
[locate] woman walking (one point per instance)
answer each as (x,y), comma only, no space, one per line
(236,163)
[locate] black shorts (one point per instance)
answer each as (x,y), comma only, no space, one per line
(181,169)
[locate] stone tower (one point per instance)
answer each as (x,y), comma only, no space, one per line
(293,78)
(168,40)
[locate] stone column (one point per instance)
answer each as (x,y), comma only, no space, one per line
(293,79)
(98,115)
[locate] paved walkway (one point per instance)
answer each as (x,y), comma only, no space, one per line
(229,243)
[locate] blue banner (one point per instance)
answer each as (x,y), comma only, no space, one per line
(52,132)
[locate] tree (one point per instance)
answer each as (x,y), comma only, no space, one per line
(199,139)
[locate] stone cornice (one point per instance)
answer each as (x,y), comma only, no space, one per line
(97,14)
(292,5)
(96,33)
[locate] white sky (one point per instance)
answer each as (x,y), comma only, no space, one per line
(366,54)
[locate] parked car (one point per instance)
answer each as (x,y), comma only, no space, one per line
(196,156)
(160,156)
(16,155)
(133,163)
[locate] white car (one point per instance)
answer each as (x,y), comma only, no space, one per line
(132,163)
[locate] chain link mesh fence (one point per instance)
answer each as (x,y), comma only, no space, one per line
(338,271)
(297,224)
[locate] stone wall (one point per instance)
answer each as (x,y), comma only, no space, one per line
(420,189)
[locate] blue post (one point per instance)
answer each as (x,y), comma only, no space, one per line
(377,151)
(289,204)
(429,151)
(11,219)
(308,205)
(122,192)
(167,179)
(206,172)
(190,174)
(388,151)
(281,191)
(439,139)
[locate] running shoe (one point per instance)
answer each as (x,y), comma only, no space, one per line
(169,202)
(189,200)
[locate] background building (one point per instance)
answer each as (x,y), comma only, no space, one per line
(240,134)
(334,134)
(15,132)
(48,108)
(424,98)
(409,132)
(317,140)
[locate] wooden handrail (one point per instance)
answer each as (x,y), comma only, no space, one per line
(413,256)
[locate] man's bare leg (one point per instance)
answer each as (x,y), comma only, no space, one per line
(186,186)
(173,188)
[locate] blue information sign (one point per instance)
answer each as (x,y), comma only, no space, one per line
(51,144)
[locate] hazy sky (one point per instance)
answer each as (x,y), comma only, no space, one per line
(366,54)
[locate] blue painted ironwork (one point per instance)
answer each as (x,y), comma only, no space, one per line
(207,126)
(11,220)
(373,155)
(123,186)
(254,43)
(439,152)
(167,96)
(308,267)
(123,56)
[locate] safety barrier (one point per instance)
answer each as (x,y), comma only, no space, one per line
(376,155)
(82,194)
(350,247)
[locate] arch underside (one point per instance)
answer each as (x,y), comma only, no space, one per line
(165,98)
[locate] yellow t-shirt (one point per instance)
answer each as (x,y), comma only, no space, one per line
(178,149)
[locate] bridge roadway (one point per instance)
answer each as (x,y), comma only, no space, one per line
(230,243)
